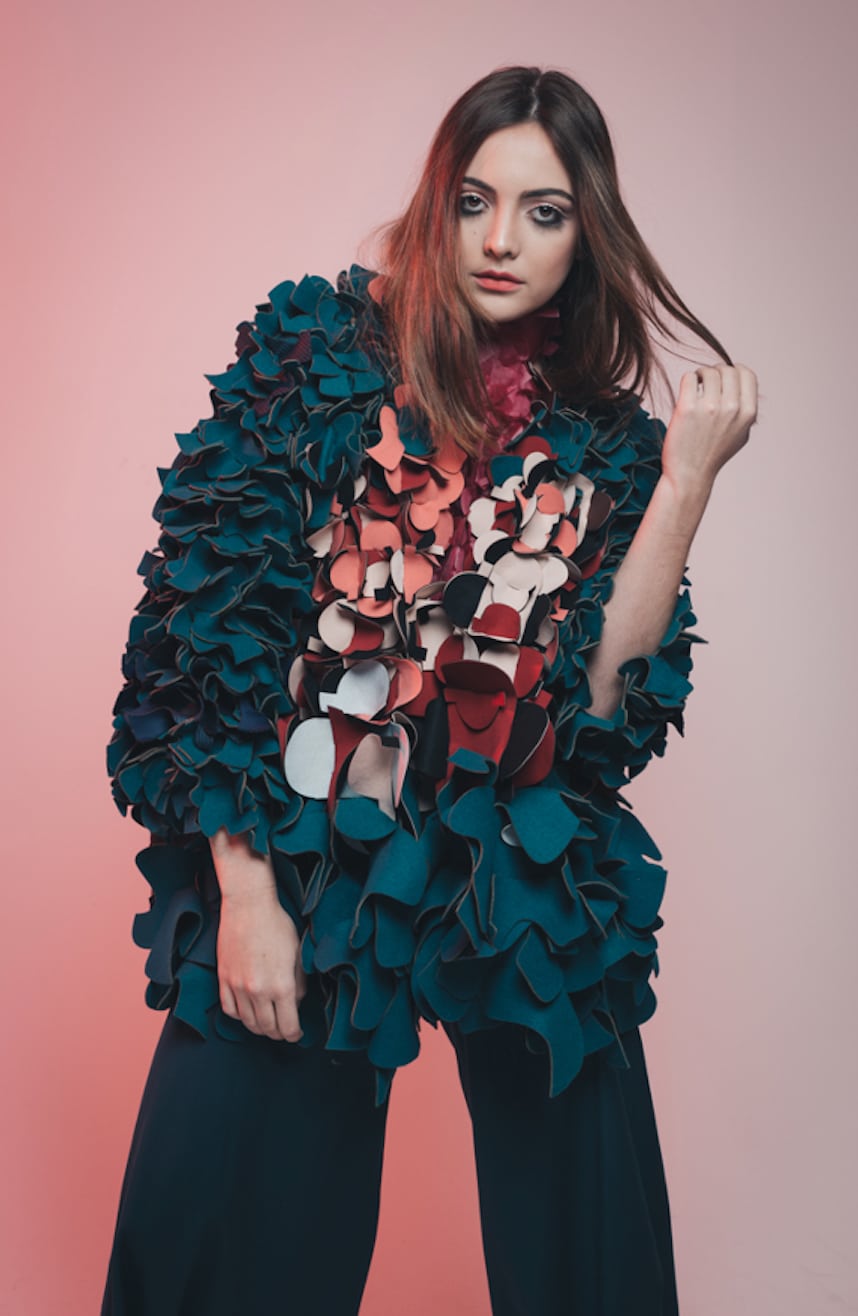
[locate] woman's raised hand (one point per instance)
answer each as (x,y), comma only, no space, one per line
(261,978)
(711,422)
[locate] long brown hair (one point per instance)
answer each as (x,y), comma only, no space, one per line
(608,303)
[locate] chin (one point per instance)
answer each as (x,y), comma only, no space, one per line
(508,311)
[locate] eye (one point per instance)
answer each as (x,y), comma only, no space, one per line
(547,216)
(470,203)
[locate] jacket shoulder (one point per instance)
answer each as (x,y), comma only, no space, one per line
(302,389)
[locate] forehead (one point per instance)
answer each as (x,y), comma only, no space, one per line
(518,159)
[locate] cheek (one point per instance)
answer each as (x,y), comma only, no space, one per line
(462,245)
(467,239)
(562,261)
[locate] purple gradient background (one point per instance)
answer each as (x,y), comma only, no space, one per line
(164,167)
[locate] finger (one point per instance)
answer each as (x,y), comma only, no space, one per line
(688,389)
(227,1001)
(748,392)
(266,1019)
(730,386)
(246,1012)
(289,1025)
(710,380)
(288,1019)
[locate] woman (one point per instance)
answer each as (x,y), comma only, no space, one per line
(413,621)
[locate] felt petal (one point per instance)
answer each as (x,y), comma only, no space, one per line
(377,769)
(409,571)
(484,544)
(433,630)
(463,597)
(362,691)
(388,451)
(555,573)
(337,627)
(536,533)
(498,621)
(379,533)
(519,573)
(565,538)
(482,516)
(406,681)
(549,500)
(309,759)
(347,572)
(543,823)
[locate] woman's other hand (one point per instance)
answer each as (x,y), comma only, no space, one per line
(261,978)
(715,409)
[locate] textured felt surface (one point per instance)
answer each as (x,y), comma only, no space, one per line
(369,654)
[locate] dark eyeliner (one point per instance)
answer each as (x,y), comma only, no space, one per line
(557,216)
(467,196)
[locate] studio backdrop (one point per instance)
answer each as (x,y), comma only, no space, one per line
(164,167)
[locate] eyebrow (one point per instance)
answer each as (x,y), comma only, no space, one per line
(538,191)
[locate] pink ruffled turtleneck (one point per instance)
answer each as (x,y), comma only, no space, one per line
(512,388)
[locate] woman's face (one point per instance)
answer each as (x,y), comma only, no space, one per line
(518,220)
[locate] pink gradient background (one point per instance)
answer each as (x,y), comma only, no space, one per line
(165,165)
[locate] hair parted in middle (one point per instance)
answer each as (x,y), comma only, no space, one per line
(608,303)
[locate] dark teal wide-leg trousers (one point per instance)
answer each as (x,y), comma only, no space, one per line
(252,1184)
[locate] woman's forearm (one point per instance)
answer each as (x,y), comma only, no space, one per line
(241,873)
(645,588)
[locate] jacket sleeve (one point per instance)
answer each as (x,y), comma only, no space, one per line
(195,742)
(626,463)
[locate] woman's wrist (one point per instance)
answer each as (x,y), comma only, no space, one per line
(680,507)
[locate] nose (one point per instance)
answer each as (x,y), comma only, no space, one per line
(500,239)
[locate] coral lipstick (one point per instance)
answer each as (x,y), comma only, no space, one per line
(497,281)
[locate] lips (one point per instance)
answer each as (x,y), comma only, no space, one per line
(494,280)
(497,276)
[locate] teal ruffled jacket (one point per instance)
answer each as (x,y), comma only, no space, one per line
(410,743)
